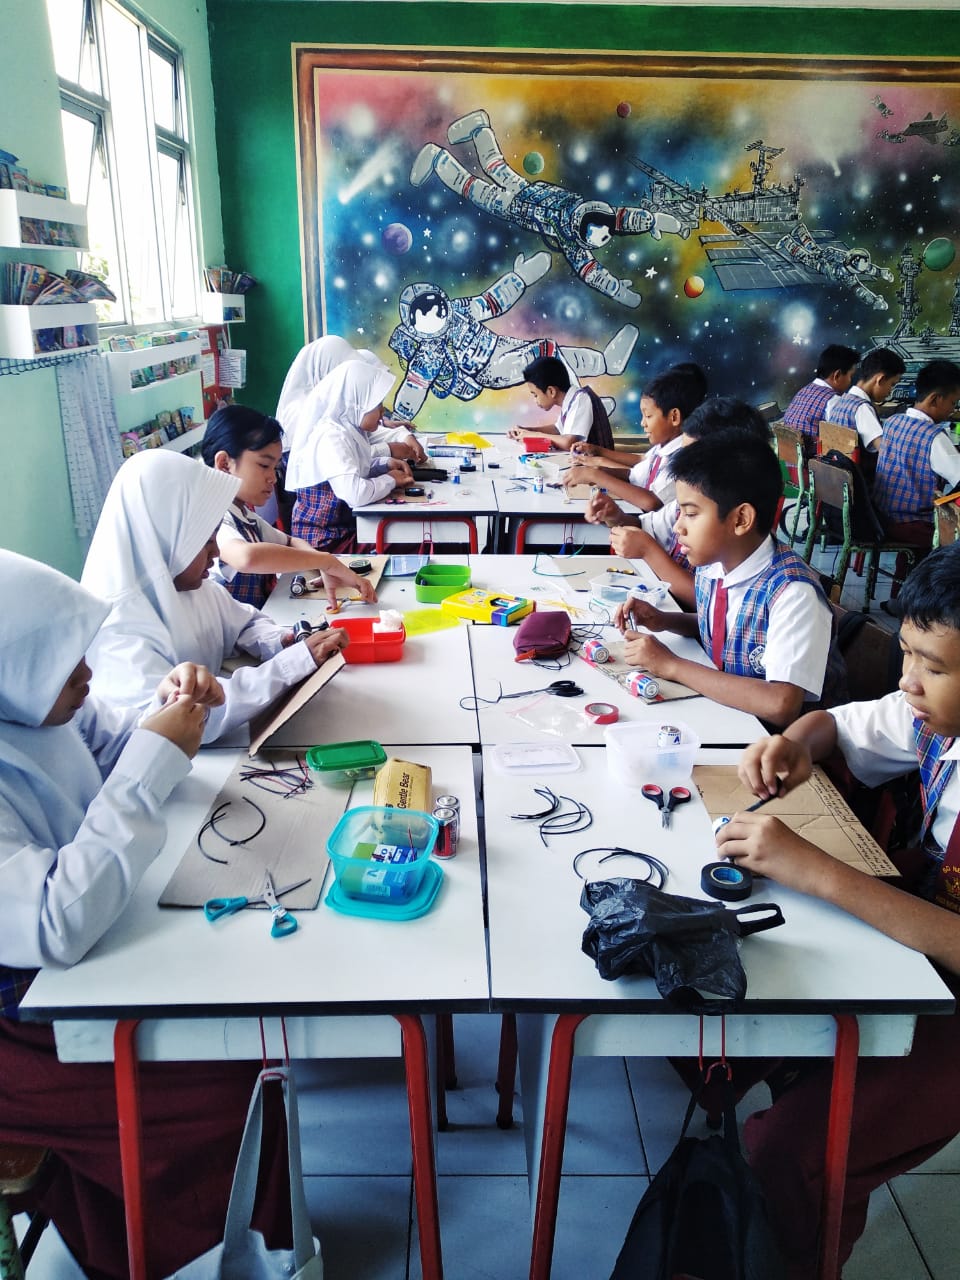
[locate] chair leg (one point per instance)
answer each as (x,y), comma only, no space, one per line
(507,1070)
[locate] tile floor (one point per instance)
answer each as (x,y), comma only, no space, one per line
(624,1120)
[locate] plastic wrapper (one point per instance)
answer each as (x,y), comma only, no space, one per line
(548,714)
(688,945)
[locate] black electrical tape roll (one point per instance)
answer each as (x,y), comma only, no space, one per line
(725,881)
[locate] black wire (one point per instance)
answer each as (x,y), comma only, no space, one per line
(211,825)
(566,824)
(574,692)
(654,866)
(546,794)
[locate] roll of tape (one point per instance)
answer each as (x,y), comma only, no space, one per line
(725,881)
(601,713)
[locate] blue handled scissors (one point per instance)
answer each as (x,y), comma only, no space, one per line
(283,922)
(678,795)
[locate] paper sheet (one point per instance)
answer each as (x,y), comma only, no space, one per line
(816,810)
(291,846)
(377,566)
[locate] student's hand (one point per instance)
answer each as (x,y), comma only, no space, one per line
(517,433)
(406,451)
(585,449)
(774,766)
(323,643)
(766,846)
(630,542)
(180,722)
(640,613)
(580,474)
(647,654)
(340,576)
(190,680)
(601,509)
(400,470)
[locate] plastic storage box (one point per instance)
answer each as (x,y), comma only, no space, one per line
(612,588)
(345,762)
(381,854)
(435,582)
(638,753)
(367,645)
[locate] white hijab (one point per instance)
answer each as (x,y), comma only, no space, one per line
(311,365)
(343,398)
(48,777)
(159,512)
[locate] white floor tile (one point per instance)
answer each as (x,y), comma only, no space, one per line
(592,1222)
(52,1259)
(886,1250)
(363,1225)
(485,1229)
(602,1132)
(354,1117)
(945,1161)
(929,1205)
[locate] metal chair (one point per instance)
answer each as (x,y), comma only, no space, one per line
(792,451)
(20,1169)
(843,439)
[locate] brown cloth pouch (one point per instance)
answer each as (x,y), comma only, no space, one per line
(543,634)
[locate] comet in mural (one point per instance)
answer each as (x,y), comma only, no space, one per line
(446,349)
(563,219)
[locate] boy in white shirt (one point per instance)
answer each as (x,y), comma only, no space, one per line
(877,374)
(582,415)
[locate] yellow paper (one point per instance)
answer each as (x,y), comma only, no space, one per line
(419,622)
(469,438)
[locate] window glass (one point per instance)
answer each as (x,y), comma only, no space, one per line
(74,42)
(163,82)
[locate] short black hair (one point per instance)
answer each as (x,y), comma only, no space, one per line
(938,377)
(725,413)
(697,377)
(547,371)
(730,467)
(234,428)
(835,357)
(673,390)
(930,596)
(880,360)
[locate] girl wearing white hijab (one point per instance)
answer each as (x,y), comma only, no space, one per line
(82,790)
(153,545)
(331,465)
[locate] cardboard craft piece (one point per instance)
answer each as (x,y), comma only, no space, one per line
(266,724)
(816,810)
(292,845)
(377,566)
(620,670)
(582,568)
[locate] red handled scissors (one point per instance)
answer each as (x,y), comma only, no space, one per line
(678,795)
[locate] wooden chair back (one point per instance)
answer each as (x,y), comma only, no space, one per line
(844,439)
(789,442)
(833,487)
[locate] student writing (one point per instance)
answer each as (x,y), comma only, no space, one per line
(832,377)
(877,374)
(582,415)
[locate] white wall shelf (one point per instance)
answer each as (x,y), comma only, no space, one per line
(189,438)
(223,308)
(17,205)
(19,327)
(122,365)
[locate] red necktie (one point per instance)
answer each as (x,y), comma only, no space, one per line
(654,468)
(718,626)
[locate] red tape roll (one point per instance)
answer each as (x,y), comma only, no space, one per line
(601,713)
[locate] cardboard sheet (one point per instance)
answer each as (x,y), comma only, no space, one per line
(578,570)
(620,670)
(377,566)
(266,724)
(292,845)
(816,810)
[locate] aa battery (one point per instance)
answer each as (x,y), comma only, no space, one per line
(298,585)
(448,821)
(595,651)
(668,735)
(643,686)
(450,802)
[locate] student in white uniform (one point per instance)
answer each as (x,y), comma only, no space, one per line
(332,467)
(246,444)
(82,790)
(149,558)
(582,414)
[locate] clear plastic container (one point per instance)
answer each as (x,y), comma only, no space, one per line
(380,854)
(641,752)
(612,588)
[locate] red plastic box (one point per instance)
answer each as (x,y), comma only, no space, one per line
(537,444)
(367,645)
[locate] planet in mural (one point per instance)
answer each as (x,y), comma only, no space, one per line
(623,110)
(533,163)
(397,238)
(939,253)
(693,286)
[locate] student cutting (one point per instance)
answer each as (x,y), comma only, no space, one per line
(331,466)
(761,612)
(581,416)
(246,444)
(82,791)
(904,1109)
(153,545)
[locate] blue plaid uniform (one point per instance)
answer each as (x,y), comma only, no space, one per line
(844,412)
(248,588)
(808,408)
(321,518)
(905,483)
(934,776)
(746,642)
(14,984)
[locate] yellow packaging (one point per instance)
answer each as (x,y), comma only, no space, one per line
(401,784)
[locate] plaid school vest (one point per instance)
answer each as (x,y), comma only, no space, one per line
(844,412)
(322,518)
(248,588)
(808,408)
(14,984)
(905,483)
(746,643)
(940,880)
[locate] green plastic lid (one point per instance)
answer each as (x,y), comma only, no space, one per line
(331,757)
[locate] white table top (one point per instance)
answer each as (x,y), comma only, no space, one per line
(161,961)
(474,495)
(820,959)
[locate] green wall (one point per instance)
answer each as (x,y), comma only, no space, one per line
(252,76)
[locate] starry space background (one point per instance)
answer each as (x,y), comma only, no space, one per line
(378,233)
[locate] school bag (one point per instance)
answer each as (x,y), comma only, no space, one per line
(866,526)
(703,1217)
(601,433)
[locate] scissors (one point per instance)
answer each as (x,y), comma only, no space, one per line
(677,796)
(283,922)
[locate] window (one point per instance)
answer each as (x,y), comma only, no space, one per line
(128,158)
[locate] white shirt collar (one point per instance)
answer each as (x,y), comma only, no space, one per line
(749,568)
(914,412)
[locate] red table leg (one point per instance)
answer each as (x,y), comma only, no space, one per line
(551,1149)
(131,1143)
(838,1143)
(416,1063)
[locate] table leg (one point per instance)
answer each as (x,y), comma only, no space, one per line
(838,1143)
(417,1065)
(127,1083)
(507,1070)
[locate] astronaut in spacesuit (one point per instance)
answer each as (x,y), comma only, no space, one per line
(565,221)
(446,348)
(846,266)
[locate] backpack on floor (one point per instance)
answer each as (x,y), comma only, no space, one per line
(703,1217)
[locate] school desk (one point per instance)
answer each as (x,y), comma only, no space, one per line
(544,517)
(820,963)
(347,987)
(465,502)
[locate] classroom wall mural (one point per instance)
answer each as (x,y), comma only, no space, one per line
(463,212)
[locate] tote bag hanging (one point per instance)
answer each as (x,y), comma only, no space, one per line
(243,1255)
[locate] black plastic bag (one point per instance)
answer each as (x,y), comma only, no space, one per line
(689,945)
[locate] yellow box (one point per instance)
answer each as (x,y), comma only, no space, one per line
(488,606)
(402,784)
